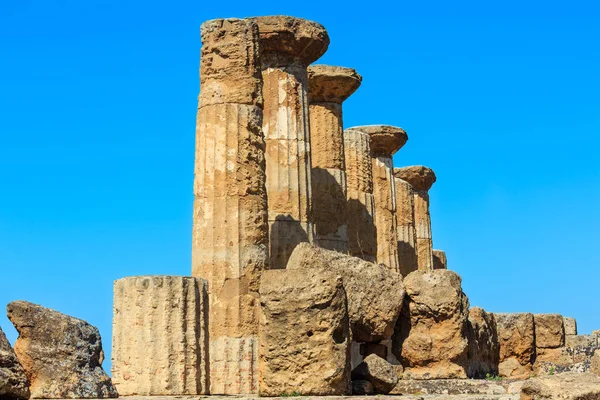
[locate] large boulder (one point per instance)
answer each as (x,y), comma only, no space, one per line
(304,335)
(567,386)
(62,356)
(549,331)
(484,349)
(378,371)
(516,336)
(375,294)
(13,381)
(431,334)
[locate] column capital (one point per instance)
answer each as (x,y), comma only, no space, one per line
(332,84)
(385,139)
(420,177)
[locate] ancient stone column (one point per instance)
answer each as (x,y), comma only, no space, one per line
(360,206)
(230,229)
(160,336)
(385,141)
(439,259)
(288,45)
(405,229)
(421,178)
(328,87)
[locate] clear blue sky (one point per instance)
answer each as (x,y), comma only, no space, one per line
(502,99)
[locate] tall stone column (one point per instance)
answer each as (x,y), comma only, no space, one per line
(360,206)
(385,141)
(421,178)
(328,87)
(288,45)
(230,228)
(405,229)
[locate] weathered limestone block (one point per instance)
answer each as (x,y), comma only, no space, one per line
(405,227)
(230,229)
(570,325)
(484,349)
(421,179)
(362,232)
(385,140)
(595,364)
(13,381)
(377,371)
(439,259)
(304,335)
(61,355)
(431,334)
(374,293)
(567,386)
(549,331)
(516,335)
(582,347)
(287,46)
(328,87)
(160,336)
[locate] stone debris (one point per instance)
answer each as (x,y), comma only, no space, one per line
(304,334)
(595,363)
(567,386)
(377,371)
(174,362)
(450,387)
(13,381)
(431,334)
(516,336)
(61,355)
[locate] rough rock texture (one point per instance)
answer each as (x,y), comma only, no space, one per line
(13,381)
(439,259)
(516,336)
(362,233)
(567,386)
(230,228)
(431,334)
(595,364)
(377,371)
(581,347)
(385,139)
(328,87)
(421,179)
(287,46)
(549,331)
(375,294)
(405,227)
(570,325)
(160,336)
(304,335)
(484,349)
(61,355)
(361,387)
(574,356)
(449,387)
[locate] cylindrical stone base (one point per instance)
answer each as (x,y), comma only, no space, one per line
(160,336)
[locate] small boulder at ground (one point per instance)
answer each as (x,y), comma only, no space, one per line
(549,331)
(13,381)
(304,335)
(378,371)
(62,356)
(375,294)
(567,386)
(430,339)
(516,336)
(484,349)
(362,387)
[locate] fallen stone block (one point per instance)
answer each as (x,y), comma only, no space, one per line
(304,335)
(378,371)
(62,356)
(549,331)
(484,349)
(516,336)
(13,381)
(567,386)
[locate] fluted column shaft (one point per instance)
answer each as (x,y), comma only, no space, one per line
(423,229)
(384,191)
(230,230)
(406,233)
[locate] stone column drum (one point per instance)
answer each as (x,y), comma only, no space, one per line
(439,259)
(360,206)
(160,336)
(421,178)
(405,229)
(288,45)
(230,229)
(328,87)
(385,141)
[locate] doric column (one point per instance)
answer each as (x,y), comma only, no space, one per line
(160,336)
(421,178)
(406,233)
(439,259)
(288,45)
(328,87)
(385,141)
(360,206)
(230,230)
